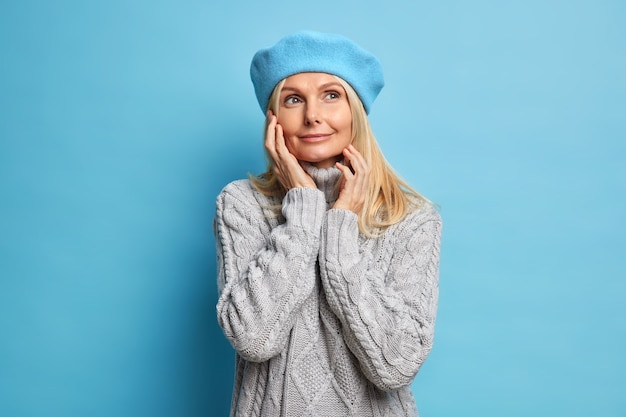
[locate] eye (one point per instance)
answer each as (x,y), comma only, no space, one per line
(292,100)
(332,95)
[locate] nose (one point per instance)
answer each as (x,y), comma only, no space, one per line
(311,114)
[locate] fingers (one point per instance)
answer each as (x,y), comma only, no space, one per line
(358,176)
(274,139)
(355,180)
(270,135)
(357,162)
(281,147)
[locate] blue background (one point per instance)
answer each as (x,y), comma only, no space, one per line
(120,121)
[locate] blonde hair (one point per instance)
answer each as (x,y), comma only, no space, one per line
(388,199)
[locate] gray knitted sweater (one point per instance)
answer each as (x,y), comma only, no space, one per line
(325,321)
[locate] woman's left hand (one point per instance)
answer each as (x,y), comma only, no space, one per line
(355,181)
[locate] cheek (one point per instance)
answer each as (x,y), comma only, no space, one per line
(289,142)
(344,123)
(288,125)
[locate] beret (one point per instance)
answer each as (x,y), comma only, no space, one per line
(308,51)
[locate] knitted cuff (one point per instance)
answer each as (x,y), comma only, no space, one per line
(304,207)
(342,232)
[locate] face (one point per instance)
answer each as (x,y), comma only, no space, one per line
(315,116)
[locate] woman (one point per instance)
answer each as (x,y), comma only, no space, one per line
(328,262)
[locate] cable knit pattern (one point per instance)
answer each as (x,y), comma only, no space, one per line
(325,321)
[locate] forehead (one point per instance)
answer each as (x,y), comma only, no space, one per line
(310,80)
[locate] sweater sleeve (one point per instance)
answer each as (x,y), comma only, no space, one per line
(264,274)
(387,308)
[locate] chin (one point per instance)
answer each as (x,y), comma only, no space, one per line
(326,158)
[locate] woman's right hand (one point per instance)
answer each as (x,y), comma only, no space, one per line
(287,168)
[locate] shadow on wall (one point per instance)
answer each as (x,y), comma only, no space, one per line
(233,150)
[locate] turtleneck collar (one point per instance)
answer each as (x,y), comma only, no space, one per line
(325,179)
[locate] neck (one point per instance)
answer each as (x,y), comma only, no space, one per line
(325,178)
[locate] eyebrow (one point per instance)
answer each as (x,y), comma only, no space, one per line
(321,87)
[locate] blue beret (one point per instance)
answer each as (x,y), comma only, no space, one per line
(308,51)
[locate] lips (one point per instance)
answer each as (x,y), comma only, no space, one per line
(315,137)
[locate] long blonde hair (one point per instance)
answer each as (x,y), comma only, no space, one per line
(388,199)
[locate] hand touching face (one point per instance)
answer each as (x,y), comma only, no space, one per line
(355,181)
(287,168)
